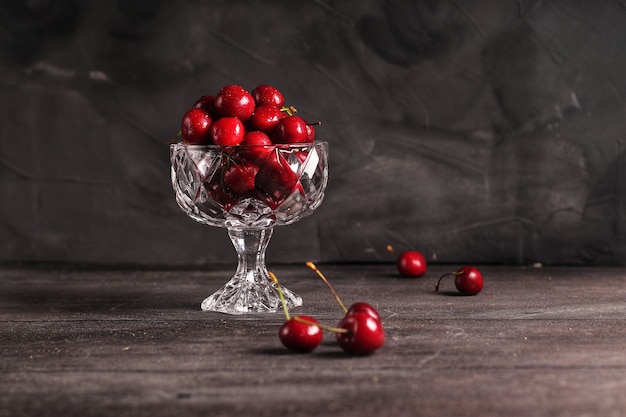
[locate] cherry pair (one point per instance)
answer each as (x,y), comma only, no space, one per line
(360,332)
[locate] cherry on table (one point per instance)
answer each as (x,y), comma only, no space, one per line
(301,334)
(468,280)
(411,263)
(361,307)
(360,332)
(363,334)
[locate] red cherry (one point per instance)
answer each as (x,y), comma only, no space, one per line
(299,336)
(411,264)
(206,103)
(266,94)
(291,129)
(276,180)
(234,101)
(215,188)
(468,281)
(257,146)
(361,307)
(364,334)
(240,177)
(310,132)
(302,155)
(227,131)
(265,118)
(195,127)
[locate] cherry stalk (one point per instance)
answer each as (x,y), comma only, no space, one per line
(312,266)
(298,333)
(360,332)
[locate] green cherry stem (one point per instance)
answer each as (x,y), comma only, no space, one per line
(291,110)
(321,326)
(280,294)
(332,290)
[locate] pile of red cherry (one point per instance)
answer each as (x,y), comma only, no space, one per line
(360,332)
(249,126)
(235,116)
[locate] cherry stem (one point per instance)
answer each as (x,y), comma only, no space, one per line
(332,290)
(314,124)
(280,294)
(291,110)
(321,326)
(441,277)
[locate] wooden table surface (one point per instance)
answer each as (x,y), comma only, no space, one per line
(536,342)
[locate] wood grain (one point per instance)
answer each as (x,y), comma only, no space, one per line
(536,341)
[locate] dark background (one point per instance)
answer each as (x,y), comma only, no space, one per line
(475,131)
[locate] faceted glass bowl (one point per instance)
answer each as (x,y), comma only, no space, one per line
(249,190)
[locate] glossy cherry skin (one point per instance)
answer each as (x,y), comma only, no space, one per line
(206,103)
(310,132)
(411,264)
(276,180)
(234,101)
(265,118)
(195,127)
(365,334)
(361,307)
(256,146)
(291,129)
(227,131)
(469,280)
(300,337)
(266,94)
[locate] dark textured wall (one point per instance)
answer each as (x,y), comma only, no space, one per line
(475,131)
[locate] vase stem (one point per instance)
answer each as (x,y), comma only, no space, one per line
(251,245)
(251,290)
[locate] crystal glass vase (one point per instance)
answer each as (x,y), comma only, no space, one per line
(249,190)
